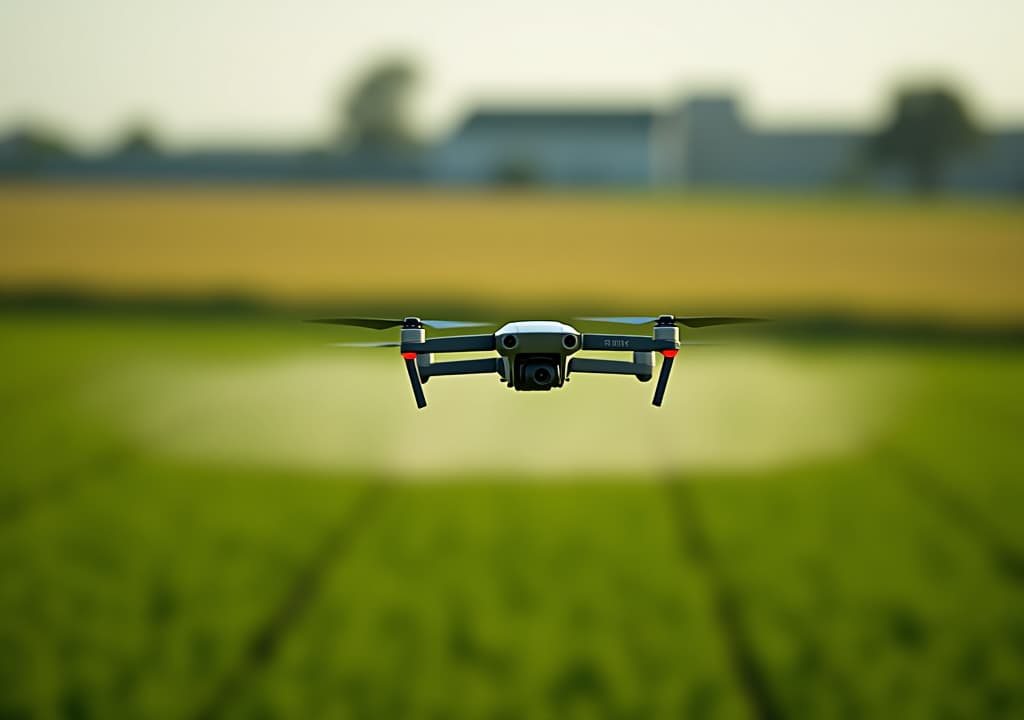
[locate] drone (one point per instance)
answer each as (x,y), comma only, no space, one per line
(535,355)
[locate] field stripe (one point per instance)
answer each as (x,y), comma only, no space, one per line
(695,543)
(959,511)
(266,639)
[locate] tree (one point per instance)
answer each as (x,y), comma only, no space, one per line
(929,126)
(37,142)
(376,110)
(138,139)
(29,149)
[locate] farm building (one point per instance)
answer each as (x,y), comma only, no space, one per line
(563,146)
(701,142)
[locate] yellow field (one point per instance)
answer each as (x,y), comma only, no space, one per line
(634,252)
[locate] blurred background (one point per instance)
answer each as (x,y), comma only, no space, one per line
(206,511)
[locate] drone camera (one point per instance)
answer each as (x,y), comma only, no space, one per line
(538,372)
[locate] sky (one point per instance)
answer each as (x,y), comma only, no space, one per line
(247,71)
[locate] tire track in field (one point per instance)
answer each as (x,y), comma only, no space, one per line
(262,645)
(958,511)
(696,544)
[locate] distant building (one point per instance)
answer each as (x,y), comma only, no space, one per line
(703,142)
(997,166)
(714,147)
(560,146)
(216,165)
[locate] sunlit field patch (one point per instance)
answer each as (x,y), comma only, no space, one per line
(727,408)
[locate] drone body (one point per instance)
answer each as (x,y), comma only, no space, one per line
(534,355)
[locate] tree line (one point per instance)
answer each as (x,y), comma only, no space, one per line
(927,127)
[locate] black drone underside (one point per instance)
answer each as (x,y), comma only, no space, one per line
(535,355)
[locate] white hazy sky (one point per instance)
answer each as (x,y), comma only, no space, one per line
(245,70)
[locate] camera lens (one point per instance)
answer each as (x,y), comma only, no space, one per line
(509,341)
(569,341)
(542,375)
(537,373)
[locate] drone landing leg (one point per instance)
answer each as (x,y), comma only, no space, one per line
(666,368)
(414,379)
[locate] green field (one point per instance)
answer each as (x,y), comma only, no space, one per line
(152,569)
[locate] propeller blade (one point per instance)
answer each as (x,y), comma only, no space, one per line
(373,323)
(622,320)
(366,345)
(445,324)
(696,322)
(385,323)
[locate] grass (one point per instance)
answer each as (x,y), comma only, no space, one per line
(148,577)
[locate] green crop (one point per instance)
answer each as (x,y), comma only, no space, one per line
(144,577)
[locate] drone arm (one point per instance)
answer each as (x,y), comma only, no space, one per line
(606,367)
(458,343)
(462,367)
(635,343)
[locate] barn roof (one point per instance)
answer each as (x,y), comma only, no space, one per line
(544,119)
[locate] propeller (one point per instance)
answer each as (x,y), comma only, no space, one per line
(365,344)
(385,323)
(694,322)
